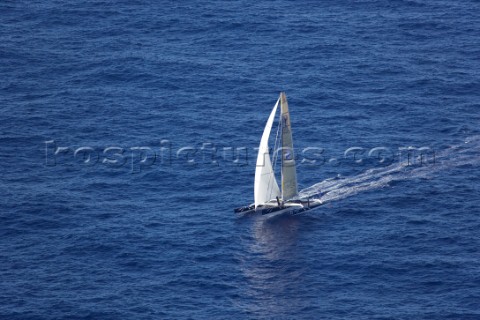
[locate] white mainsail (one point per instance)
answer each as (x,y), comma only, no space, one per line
(289,175)
(266,187)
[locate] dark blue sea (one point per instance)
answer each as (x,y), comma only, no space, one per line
(128,132)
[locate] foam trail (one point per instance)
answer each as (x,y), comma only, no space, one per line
(467,153)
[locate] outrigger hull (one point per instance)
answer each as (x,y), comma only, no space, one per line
(290,207)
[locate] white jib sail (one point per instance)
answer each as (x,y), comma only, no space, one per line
(289,174)
(266,187)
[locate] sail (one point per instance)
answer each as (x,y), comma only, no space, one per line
(289,175)
(266,187)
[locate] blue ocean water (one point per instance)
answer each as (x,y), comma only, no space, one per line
(93,226)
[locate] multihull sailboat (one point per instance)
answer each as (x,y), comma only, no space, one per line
(269,197)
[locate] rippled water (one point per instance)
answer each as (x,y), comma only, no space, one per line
(88,238)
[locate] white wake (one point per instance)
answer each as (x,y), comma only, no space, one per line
(465,154)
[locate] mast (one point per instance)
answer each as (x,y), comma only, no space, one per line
(289,174)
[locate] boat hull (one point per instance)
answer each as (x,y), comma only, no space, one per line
(291,208)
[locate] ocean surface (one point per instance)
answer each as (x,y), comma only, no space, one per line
(128,132)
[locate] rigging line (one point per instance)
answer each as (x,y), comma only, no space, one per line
(275,148)
(282,150)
